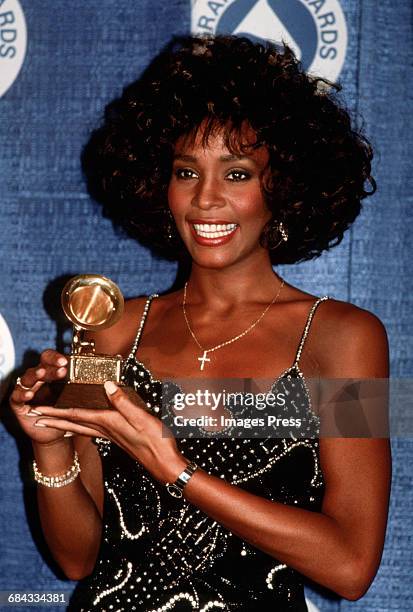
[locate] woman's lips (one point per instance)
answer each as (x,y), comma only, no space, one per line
(221,232)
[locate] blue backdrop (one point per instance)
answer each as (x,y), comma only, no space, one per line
(79,56)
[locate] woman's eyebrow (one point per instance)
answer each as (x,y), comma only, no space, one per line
(232,157)
(187,158)
(223,158)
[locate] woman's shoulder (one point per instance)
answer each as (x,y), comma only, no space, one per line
(345,317)
(351,340)
(335,315)
(159,302)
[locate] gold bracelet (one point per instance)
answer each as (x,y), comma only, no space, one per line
(60,480)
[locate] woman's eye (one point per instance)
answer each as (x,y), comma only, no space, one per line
(185,173)
(238,175)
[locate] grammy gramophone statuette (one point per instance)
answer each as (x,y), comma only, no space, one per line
(92,303)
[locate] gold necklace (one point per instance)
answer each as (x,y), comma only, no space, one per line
(205,351)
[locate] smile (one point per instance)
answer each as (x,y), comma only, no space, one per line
(214,230)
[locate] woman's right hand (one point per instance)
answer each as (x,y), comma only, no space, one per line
(52,367)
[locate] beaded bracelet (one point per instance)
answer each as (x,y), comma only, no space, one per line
(60,480)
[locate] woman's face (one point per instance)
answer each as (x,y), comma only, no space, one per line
(217,201)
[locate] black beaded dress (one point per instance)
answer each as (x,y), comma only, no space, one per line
(159,553)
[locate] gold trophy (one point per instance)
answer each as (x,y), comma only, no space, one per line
(91,302)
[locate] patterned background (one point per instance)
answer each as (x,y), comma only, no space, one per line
(79,56)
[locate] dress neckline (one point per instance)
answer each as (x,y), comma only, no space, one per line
(152,378)
(285,373)
(294,367)
(295,364)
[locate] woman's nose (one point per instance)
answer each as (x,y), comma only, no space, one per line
(209,194)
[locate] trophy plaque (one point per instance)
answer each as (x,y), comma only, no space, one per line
(92,303)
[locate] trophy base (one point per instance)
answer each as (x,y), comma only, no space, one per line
(62,394)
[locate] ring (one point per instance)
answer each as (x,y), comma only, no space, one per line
(20,384)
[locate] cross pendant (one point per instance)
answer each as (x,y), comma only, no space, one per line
(203,359)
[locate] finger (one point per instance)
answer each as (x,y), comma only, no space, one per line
(105,421)
(52,373)
(68,426)
(128,409)
(49,357)
(54,365)
(101,420)
(33,378)
(19,398)
(82,415)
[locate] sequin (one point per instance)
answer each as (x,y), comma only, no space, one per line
(159,553)
(125,531)
(114,588)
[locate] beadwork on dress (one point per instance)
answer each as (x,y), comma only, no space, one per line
(159,553)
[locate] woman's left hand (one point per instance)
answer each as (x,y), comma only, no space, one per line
(140,434)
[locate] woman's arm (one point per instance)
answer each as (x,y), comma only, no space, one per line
(71,515)
(340,547)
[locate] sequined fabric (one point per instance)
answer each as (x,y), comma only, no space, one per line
(160,553)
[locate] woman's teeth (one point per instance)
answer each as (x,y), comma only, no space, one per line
(214,230)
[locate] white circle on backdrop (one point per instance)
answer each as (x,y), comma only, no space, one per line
(311,607)
(13,42)
(7,355)
(316,31)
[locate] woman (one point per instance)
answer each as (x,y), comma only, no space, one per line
(226,154)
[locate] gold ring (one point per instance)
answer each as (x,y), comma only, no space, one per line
(20,384)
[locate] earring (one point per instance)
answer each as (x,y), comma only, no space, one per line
(273,233)
(283,231)
(170,228)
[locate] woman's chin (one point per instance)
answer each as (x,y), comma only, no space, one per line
(213,262)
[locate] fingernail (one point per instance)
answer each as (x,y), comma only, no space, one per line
(61,371)
(40,372)
(38,424)
(28,394)
(33,412)
(68,434)
(110,387)
(62,361)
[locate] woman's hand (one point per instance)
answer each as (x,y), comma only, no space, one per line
(137,432)
(52,367)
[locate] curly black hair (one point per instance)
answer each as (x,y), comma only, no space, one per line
(318,164)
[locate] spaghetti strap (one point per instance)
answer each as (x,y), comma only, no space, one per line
(141,324)
(307,328)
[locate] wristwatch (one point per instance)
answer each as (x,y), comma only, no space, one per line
(175,488)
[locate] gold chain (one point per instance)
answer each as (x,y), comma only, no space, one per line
(204,357)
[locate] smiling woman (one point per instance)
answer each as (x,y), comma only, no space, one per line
(224,154)
(255,97)
(216,198)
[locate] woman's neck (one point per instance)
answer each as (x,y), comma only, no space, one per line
(248,281)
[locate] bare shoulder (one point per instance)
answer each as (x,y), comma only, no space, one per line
(350,341)
(345,318)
